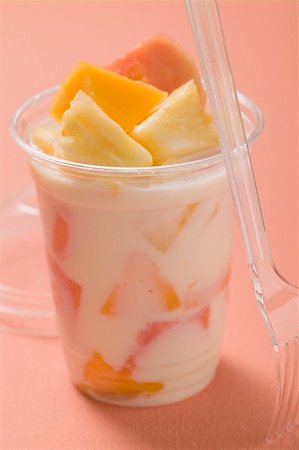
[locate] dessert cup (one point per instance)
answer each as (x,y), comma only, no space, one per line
(139,262)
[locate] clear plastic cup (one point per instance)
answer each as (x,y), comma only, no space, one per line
(139,262)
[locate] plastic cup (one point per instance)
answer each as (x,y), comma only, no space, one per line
(139,263)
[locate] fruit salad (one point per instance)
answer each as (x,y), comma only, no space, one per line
(138,241)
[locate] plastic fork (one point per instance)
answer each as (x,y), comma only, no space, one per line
(277,299)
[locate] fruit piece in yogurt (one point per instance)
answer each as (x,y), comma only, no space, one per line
(127,102)
(43,139)
(142,290)
(153,329)
(67,294)
(88,135)
(160,61)
(163,235)
(103,379)
(155,332)
(199,295)
(61,234)
(178,127)
(203,317)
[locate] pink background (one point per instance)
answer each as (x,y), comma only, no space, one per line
(39,409)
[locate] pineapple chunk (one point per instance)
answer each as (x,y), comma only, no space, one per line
(89,136)
(126,101)
(178,127)
(43,138)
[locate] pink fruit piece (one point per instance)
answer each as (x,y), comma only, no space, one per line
(151,332)
(141,291)
(60,236)
(145,337)
(204,316)
(66,293)
(159,61)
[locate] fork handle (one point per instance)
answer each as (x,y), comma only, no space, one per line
(210,43)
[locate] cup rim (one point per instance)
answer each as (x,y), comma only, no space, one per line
(205,162)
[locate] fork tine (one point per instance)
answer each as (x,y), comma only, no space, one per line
(286,370)
(291,420)
(287,392)
(290,396)
(278,398)
(283,382)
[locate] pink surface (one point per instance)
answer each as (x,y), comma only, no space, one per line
(39,409)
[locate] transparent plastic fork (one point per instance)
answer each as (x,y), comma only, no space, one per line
(277,299)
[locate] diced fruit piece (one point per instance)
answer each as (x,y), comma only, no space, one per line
(152,331)
(126,101)
(196,296)
(163,235)
(213,214)
(142,291)
(90,136)
(158,344)
(60,235)
(145,337)
(67,295)
(66,290)
(107,381)
(109,305)
(204,316)
(168,293)
(43,138)
(178,127)
(159,61)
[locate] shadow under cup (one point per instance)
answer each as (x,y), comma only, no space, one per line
(139,262)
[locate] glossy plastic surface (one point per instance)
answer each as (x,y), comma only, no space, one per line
(277,299)
(25,300)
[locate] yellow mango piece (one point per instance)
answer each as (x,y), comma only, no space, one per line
(171,298)
(126,101)
(106,380)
